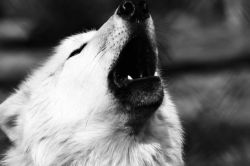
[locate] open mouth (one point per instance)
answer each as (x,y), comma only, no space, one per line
(137,61)
(133,79)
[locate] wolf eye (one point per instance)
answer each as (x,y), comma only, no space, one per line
(77,51)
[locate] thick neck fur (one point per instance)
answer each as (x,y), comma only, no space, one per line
(119,149)
(74,144)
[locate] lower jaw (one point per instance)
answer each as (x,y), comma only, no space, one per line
(138,101)
(139,94)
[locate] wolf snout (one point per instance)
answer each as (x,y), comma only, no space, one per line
(134,10)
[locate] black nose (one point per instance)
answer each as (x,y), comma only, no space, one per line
(134,10)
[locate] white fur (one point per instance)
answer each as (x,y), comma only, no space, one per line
(68,117)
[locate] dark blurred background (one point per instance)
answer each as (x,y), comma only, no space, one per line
(204,55)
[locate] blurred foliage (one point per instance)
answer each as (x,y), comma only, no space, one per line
(55,19)
(59,18)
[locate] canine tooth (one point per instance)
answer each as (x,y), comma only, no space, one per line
(156,74)
(129,77)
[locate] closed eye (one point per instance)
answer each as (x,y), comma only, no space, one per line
(77,51)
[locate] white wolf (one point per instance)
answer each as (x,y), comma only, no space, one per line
(97,102)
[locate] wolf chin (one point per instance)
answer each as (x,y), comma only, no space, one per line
(98,101)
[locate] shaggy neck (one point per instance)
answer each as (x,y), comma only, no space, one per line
(122,152)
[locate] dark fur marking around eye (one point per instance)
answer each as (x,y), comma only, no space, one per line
(77,51)
(11,122)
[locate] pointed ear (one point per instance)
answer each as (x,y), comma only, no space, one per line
(10,111)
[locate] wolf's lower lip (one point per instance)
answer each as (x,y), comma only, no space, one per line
(141,92)
(144,92)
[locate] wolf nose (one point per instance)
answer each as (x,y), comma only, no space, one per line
(134,10)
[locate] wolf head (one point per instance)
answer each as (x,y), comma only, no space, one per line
(98,101)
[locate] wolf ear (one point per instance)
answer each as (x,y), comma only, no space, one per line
(10,111)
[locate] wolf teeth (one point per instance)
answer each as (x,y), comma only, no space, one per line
(156,74)
(129,77)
